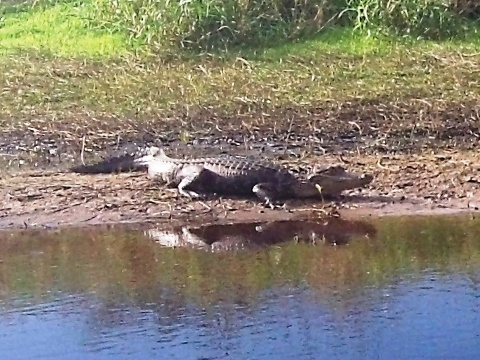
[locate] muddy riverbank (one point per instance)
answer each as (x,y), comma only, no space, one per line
(422,155)
(441,183)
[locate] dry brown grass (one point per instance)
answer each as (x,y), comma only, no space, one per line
(50,90)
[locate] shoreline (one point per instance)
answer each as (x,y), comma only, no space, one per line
(403,185)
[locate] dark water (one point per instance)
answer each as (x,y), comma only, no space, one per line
(408,290)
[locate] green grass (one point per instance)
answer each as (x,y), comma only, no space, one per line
(62,30)
(298,74)
(56,66)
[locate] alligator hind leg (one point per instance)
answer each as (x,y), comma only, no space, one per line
(268,193)
(188,176)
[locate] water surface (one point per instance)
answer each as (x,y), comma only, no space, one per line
(408,290)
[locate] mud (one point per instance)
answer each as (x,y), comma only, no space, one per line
(423,157)
(415,184)
(368,127)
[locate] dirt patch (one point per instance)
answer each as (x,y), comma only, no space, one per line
(422,155)
(404,184)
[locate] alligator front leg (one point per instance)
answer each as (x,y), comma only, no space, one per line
(187,176)
(268,193)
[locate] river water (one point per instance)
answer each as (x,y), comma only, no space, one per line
(409,290)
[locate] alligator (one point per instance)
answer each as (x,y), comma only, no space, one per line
(255,235)
(231,175)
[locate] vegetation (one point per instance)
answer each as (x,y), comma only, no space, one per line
(88,62)
(220,24)
(71,61)
(217,24)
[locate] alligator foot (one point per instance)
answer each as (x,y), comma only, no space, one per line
(189,175)
(267,193)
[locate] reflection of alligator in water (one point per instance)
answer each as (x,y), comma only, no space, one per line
(232,175)
(216,237)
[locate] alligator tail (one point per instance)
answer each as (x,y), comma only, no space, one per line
(117,164)
(123,163)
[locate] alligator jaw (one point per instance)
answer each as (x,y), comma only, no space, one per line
(334,180)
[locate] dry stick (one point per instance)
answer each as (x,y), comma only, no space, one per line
(343,160)
(205,206)
(90,218)
(289,131)
(319,188)
(82,152)
(379,164)
(69,206)
(357,126)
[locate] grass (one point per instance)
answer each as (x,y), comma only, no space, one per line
(61,31)
(55,67)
